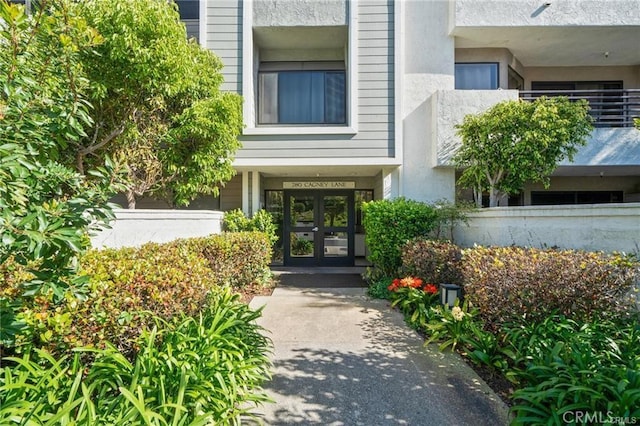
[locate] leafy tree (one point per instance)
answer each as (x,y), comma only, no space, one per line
(516,142)
(46,208)
(157,103)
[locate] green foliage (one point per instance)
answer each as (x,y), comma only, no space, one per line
(127,287)
(157,103)
(391,223)
(516,142)
(192,371)
(46,209)
(262,221)
(130,285)
(436,262)
(448,326)
(573,366)
(416,304)
(380,289)
(515,284)
(300,246)
(451,215)
(237,259)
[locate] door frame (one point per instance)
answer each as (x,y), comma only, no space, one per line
(319,258)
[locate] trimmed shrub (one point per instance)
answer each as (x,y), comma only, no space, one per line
(127,286)
(512,284)
(389,224)
(262,221)
(237,259)
(434,261)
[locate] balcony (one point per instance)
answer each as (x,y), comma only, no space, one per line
(610,144)
(609,108)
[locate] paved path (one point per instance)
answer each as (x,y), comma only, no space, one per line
(342,358)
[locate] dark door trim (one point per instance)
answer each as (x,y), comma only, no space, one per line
(319,230)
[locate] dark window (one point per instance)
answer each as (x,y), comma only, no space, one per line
(516,82)
(549,198)
(189,9)
(302,97)
(476,76)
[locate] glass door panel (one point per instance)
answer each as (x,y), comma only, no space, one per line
(320,228)
(302,214)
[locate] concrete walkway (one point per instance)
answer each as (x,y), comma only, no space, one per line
(342,358)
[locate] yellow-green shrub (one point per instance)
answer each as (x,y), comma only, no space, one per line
(238,259)
(128,286)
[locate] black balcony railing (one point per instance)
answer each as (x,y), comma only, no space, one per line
(609,108)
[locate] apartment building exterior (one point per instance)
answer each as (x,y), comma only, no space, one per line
(348,101)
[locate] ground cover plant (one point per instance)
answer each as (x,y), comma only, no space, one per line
(206,369)
(556,332)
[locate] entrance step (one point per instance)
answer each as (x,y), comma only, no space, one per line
(313,278)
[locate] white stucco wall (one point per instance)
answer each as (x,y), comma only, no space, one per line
(606,227)
(609,146)
(449,109)
(287,13)
(135,227)
(427,66)
(506,13)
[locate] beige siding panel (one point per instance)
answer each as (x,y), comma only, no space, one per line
(318,153)
(374,118)
(214,11)
(375,84)
(297,144)
(224,38)
(375,109)
(386,27)
(374,8)
(214,28)
(193,28)
(218,20)
(226,53)
(375,74)
(374,93)
(369,43)
(380,68)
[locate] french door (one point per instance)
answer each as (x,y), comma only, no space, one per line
(319,228)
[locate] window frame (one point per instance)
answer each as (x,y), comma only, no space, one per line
(299,67)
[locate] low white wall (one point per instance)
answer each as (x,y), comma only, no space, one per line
(136,227)
(606,227)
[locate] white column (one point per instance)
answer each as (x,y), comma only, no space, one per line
(255,192)
(246,208)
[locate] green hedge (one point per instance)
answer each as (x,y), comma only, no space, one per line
(389,224)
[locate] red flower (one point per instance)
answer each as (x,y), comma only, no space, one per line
(430,288)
